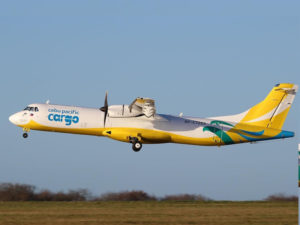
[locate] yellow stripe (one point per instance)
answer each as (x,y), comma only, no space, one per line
(149,136)
(88,131)
(123,133)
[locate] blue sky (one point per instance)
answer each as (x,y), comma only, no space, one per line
(200,58)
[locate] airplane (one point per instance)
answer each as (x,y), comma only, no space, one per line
(138,123)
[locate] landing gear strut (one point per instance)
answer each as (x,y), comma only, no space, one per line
(25,135)
(136,144)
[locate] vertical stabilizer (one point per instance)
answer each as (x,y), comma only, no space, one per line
(272,111)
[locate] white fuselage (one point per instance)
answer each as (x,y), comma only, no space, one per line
(81,120)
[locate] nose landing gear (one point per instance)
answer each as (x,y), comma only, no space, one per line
(25,134)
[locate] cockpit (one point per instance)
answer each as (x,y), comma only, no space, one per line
(31,108)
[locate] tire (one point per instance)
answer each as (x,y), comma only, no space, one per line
(136,146)
(25,135)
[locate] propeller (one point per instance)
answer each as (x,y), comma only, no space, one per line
(105,108)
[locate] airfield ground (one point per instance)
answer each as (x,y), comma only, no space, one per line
(108,213)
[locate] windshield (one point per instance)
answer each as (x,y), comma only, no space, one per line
(30,108)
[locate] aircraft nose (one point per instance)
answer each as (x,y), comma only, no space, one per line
(13,119)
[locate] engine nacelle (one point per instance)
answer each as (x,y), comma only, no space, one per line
(119,111)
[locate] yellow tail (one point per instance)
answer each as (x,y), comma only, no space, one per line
(272,111)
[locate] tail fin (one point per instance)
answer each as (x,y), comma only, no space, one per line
(272,111)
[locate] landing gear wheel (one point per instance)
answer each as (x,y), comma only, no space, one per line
(25,135)
(136,146)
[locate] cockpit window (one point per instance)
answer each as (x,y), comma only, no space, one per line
(30,108)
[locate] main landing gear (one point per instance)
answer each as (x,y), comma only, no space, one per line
(25,135)
(136,144)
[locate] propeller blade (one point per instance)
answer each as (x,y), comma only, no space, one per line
(105,115)
(105,101)
(105,108)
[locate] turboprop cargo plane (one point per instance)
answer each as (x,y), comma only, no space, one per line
(138,123)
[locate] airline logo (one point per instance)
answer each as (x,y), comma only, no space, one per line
(63,116)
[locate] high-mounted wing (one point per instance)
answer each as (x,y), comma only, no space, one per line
(144,105)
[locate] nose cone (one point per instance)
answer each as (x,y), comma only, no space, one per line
(19,118)
(13,119)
